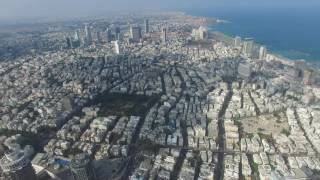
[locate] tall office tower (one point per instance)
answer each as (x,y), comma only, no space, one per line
(117,33)
(237,41)
(146,26)
(99,38)
(262,52)
(88,35)
(200,33)
(203,32)
(76,36)
(135,33)
(81,167)
(108,35)
(308,77)
(244,70)
(16,166)
(76,39)
(299,67)
(248,47)
(116,47)
(69,42)
(164,35)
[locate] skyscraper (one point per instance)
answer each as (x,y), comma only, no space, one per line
(88,35)
(117,30)
(108,35)
(76,36)
(248,47)
(99,37)
(262,52)
(117,33)
(135,33)
(237,41)
(164,35)
(81,167)
(203,32)
(116,47)
(76,39)
(146,26)
(69,42)
(244,70)
(200,33)
(16,166)
(308,77)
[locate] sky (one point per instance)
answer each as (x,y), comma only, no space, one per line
(24,9)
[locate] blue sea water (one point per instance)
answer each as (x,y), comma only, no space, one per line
(294,34)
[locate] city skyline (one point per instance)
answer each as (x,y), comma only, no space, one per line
(32,9)
(157,91)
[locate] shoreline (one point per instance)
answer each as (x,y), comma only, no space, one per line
(278,56)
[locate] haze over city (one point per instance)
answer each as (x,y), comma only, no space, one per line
(26,9)
(159,90)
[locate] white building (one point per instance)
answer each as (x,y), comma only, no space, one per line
(237,41)
(262,52)
(116,47)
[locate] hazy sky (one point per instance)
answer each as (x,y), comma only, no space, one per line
(22,9)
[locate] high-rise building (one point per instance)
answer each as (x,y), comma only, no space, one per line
(146,26)
(200,33)
(76,39)
(262,52)
(117,30)
(88,35)
(164,35)
(308,77)
(117,33)
(298,68)
(116,47)
(237,41)
(244,70)
(203,33)
(16,166)
(81,167)
(69,42)
(248,46)
(99,38)
(108,35)
(135,33)
(76,36)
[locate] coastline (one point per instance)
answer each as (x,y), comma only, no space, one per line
(293,52)
(277,56)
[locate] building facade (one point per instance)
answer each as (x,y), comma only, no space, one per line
(135,33)
(16,166)
(82,168)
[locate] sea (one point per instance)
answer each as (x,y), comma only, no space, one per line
(293,34)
